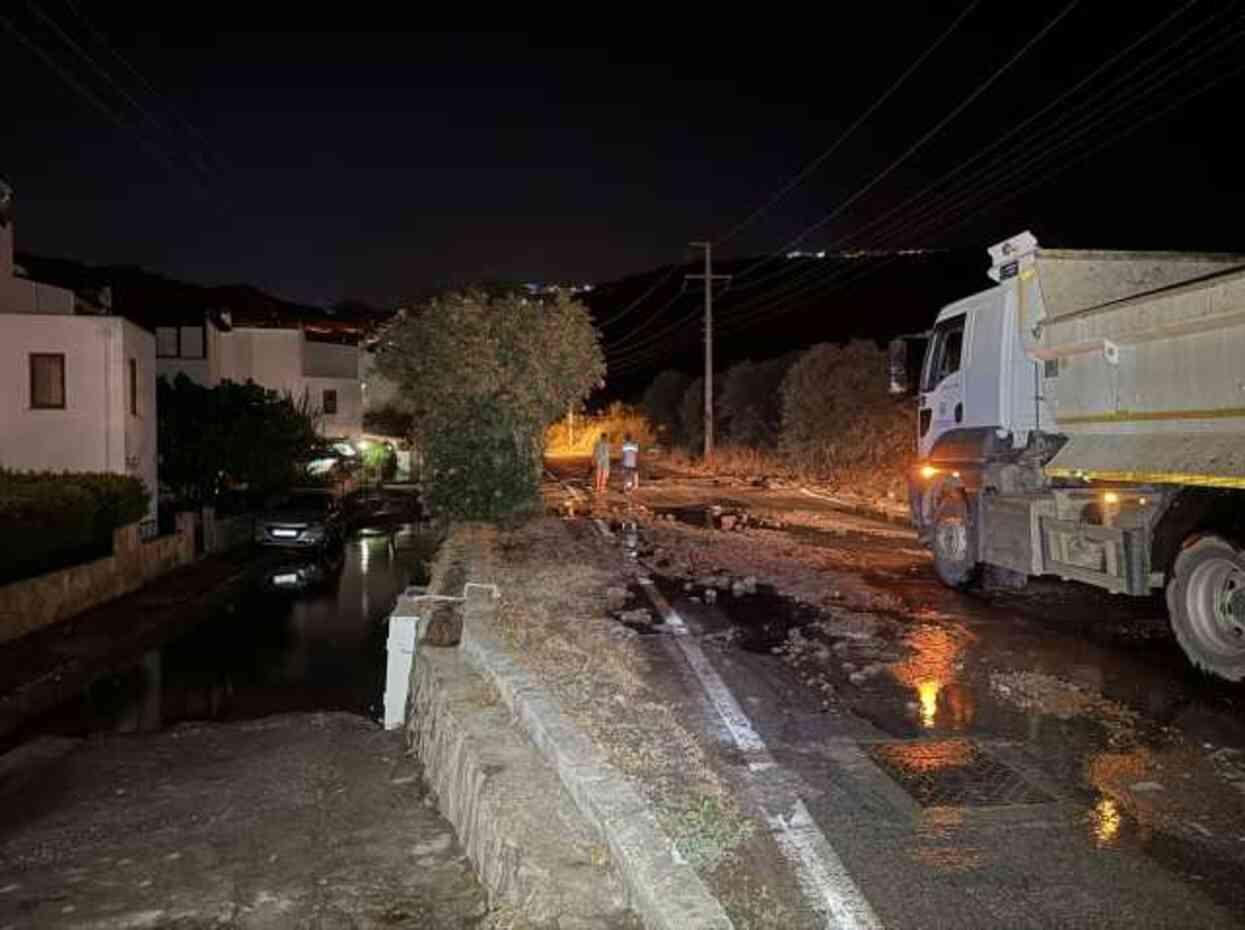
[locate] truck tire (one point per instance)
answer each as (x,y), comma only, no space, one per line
(955,541)
(1206,604)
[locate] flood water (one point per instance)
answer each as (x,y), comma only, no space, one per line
(307,634)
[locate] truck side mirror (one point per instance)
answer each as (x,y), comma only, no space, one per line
(906,354)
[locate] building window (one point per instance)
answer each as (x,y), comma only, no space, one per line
(181,342)
(47,381)
(134,386)
(166,341)
(192,342)
(330,402)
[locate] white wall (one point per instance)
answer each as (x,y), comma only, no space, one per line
(269,357)
(330,360)
(77,438)
(140,428)
(18,295)
(348,421)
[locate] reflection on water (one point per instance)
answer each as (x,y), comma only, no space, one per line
(313,647)
(1104,822)
(931,756)
(927,689)
(930,670)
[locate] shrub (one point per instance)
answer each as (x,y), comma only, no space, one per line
(663,404)
(838,419)
(751,404)
(49,520)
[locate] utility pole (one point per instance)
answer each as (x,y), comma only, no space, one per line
(708,277)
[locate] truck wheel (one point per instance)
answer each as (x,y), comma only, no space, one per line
(1206,603)
(955,541)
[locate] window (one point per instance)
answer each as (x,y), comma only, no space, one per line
(133,372)
(47,381)
(944,351)
(192,342)
(330,402)
(166,341)
(181,342)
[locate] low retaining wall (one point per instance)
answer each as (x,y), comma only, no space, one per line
(662,891)
(38,602)
(525,837)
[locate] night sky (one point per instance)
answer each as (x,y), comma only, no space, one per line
(378,166)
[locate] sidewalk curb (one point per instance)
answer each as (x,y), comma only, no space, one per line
(665,892)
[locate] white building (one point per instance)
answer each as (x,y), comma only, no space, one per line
(284,358)
(77,386)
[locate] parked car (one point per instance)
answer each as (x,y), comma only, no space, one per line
(305,519)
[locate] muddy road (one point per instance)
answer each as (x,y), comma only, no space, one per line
(1034,757)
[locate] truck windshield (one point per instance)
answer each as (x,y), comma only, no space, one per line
(944,352)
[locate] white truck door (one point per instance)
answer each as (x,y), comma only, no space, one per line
(942,386)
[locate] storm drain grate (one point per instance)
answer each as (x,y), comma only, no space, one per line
(953,773)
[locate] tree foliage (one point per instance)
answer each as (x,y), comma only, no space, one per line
(484,374)
(751,405)
(239,435)
(663,403)
(837,413)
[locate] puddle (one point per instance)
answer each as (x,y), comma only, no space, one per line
(701,517)
(761,621)
(308,634)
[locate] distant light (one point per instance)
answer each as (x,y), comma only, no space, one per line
(1110,497)
(1143,501)
(928,471)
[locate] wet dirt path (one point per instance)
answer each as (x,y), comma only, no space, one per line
(1035,758)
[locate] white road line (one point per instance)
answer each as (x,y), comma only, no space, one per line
(605,530)
(822,877)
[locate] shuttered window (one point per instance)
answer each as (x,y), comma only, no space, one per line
(47,381)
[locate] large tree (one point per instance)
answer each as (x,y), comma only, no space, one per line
(230,435)
(484,374)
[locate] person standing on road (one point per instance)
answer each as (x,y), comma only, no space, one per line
(630,463)
(601,464)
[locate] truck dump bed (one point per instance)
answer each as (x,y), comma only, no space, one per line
(1143,359)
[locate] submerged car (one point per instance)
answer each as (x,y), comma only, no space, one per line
(301,520)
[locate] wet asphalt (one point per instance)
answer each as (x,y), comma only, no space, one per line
(1035,758)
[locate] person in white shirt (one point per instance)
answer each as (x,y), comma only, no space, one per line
(630,463)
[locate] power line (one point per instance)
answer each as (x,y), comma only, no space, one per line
(916,146)
(1066,165)
(820,159)
(103,72)
(979,190)
(843,137)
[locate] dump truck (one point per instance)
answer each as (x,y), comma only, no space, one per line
(1084,418)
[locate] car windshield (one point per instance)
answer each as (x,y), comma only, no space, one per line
(315,503)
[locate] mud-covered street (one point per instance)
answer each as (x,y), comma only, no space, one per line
(1036,757)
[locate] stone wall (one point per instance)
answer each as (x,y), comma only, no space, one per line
(38,602)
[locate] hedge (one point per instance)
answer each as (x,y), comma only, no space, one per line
(49,520)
